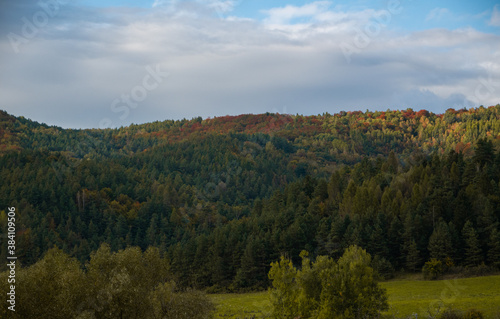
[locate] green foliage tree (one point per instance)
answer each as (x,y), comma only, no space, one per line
(126,284)
(433,269)
(51,288)
(350,289)
(285,289)
(121,282)
(327,289)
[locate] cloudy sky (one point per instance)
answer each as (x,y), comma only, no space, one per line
(108,63)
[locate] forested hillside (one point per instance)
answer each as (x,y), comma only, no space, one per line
(222,198)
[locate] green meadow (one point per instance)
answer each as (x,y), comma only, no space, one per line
(242,306)
(428,297)
(406,298)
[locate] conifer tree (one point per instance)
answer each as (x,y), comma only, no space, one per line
(484,152)
(413,259)
(494,248)
(440,243)
(252,271)
(473,253)
(394,241)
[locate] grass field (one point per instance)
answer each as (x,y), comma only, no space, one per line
(406,297)
(242,306)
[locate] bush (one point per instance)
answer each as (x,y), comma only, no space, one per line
(432,269)
(473,314)
(480,270)
(451,314)
(448,263)
(476,271)
(187,305)
(459,271)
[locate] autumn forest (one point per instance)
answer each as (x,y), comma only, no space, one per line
(222,198)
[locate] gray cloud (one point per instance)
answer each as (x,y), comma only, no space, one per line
(85,58)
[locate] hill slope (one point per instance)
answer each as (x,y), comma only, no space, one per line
(224,197)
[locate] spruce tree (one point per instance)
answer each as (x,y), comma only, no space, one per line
(413,260)
(378,240)
(395,241)
(494,248)
(473,253)
(484,152)
(440,243)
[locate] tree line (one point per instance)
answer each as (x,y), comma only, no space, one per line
(223,198)
(128,284)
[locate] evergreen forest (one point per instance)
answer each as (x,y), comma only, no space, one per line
(222,198)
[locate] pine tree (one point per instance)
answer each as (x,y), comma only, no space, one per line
(413,260)
(392,163)
(473,253)
(440,243)
(395,241)
(217,261)
(378,241)
(151,232)
(336,243)
(455,242)
(322,237)
(494,248)
(121,228)
(200,263)
(253,270)
(484,152)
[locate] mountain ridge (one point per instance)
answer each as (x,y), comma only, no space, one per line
(342,126)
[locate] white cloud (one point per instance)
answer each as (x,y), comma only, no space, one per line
(284,15)
(219,7)
(316,18)
(437,14)
(159,3)
(495,16)
(232,66)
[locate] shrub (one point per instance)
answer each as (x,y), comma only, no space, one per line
(186,305)
(432,269)
(451,314)
(448,263)
(480,270)
(473,314)
(458,271)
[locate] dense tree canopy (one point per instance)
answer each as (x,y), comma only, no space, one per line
(222,198)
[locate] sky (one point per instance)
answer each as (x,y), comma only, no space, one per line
(110,63)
